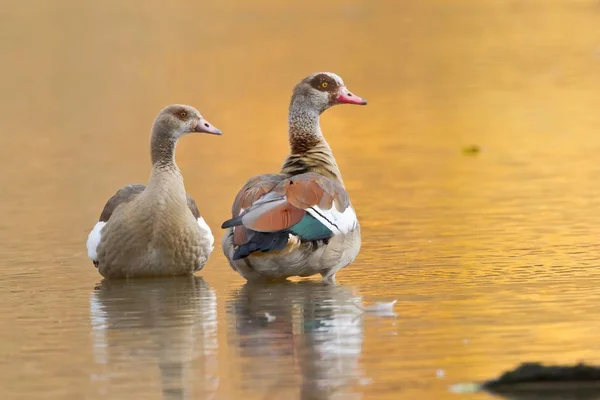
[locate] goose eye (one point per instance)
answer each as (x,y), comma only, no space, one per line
(324,85)
(183,114)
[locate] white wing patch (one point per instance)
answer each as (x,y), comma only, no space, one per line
(206,230)
(337,222)
(94,240)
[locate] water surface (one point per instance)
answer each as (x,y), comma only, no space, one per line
(493,258)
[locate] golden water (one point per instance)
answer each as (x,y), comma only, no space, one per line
(493,258)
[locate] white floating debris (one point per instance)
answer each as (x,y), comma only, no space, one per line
(269,317)
(377,307)
(365,381)
(440,373)
(462,388)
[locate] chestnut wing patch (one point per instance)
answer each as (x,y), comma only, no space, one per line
(309,205)
(252,191)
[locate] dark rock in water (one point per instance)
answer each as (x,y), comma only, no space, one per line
(536,372)
(536,381)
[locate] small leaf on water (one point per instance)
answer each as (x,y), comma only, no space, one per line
(471,150)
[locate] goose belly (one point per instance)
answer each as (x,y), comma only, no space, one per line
(153,248)
(298,258)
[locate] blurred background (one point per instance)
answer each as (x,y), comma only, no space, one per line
(474,172)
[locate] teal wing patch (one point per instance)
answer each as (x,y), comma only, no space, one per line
(309,229)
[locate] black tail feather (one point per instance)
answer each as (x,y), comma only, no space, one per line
(260,241)
(232,222)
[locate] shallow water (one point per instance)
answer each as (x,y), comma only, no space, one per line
(493,258)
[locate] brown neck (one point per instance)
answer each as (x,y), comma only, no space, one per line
(165,178)
(304,127)
(162,147)
(309,151)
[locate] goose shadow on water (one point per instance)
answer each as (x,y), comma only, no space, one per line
(146,333)
(289,335)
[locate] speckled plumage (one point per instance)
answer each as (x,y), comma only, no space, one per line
(309,153)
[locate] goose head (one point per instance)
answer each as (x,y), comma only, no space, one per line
(323,90)
(179,119)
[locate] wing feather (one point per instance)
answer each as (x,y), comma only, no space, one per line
(268,207)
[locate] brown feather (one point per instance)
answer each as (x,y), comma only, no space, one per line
(276,219)
(253,190)
(303,193)
(311,189)
(240,235)
(337,191)
(130,192)
(309,157)
(326,201)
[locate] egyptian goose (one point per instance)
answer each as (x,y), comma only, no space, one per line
(299,222)
(155,230)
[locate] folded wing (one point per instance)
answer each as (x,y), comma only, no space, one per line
(270,207)
(124,196)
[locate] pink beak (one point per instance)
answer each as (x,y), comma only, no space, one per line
(345,96)
(205,127)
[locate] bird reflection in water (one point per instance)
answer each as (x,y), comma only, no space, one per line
(291,335)
(149,327)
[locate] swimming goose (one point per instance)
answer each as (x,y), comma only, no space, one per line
(155,230)
(299,222)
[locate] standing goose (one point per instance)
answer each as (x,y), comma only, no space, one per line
(155,230)
(299,222)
